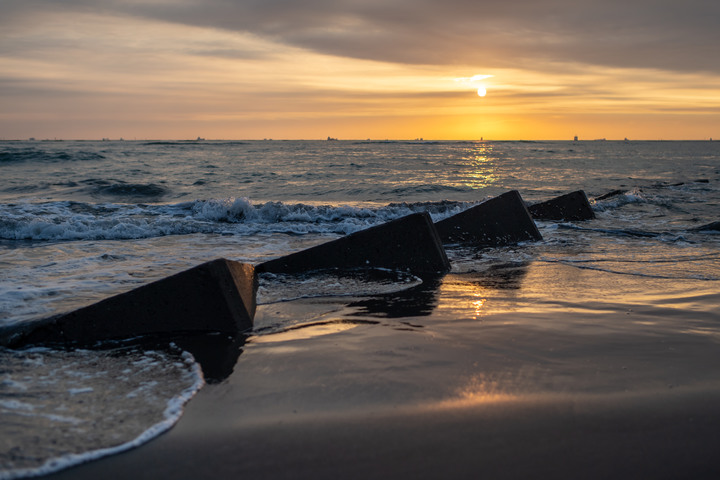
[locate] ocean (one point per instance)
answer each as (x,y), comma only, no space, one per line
(83,220)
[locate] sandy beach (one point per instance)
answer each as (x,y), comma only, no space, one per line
(591,353)
(585,389)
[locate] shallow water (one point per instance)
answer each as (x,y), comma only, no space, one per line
(83,220)
(59,408)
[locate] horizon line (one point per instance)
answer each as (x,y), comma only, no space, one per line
(332,139)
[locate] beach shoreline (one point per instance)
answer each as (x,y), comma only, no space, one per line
(351,394)
(589,352)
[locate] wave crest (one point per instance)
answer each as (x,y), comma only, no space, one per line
(64,221)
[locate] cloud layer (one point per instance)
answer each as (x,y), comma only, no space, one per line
(661,34)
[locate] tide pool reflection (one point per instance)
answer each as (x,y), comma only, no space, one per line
(478,305)
(463,293)
(471,294)
(414,302)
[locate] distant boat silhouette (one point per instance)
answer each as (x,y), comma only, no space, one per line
(331,139)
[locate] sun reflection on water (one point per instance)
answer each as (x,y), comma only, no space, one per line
(464,299)
(480,164)
(478,305)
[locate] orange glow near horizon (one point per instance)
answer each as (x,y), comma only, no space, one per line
(147,79)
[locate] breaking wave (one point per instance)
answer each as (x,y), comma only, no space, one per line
(618,199)
(65,221)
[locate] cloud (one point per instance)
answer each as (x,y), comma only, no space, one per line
(663,34)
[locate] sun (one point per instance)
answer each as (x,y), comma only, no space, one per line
(474,82)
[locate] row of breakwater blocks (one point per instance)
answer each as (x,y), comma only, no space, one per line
(219,297)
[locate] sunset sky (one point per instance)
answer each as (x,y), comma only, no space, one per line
(295,69)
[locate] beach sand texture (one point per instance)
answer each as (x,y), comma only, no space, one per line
(551,372)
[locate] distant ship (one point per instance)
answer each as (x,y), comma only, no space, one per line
(331,139)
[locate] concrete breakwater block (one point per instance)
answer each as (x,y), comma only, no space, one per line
(710,227)
(217,296)
(409,243)
(570,207)
(501,220)
(610,194)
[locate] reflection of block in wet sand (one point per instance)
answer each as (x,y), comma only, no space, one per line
(217,296)
(409,243)
(501,220)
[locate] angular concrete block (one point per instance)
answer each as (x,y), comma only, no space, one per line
(610,194)
(570,207)
(502,220)
(710,227)
(409,244)
(217,296)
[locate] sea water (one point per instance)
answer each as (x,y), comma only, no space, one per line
(83,220)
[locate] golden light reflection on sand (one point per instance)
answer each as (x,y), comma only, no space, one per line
(302,332)
(478,304)
(478,390)
(464,299)
(476,295)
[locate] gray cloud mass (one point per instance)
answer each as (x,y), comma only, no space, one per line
(662,34)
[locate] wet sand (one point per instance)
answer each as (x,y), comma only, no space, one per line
(457,388)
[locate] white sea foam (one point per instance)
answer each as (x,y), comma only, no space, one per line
(106,420)
(65,221)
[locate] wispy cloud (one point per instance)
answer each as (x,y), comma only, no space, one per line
(664,34)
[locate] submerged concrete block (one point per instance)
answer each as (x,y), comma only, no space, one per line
(409,244)
(570,207)
(710,227)
(502,220)
(610,194)
(217,296)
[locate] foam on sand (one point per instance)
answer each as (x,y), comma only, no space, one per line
(68,408)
